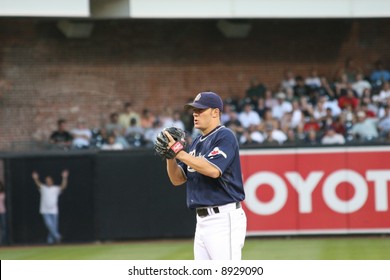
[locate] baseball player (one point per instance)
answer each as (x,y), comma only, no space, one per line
(211,169)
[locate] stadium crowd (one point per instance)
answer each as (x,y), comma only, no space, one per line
(301,110)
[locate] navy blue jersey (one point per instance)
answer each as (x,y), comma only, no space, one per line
(220,148)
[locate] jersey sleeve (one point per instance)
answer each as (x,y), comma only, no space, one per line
(183,167)
(223,151)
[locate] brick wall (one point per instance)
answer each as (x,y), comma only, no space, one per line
(158,63)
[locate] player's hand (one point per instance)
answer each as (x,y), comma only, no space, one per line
(169,142)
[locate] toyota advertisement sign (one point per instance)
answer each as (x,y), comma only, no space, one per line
(317,190)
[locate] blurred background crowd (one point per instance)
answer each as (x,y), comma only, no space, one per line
(303,109)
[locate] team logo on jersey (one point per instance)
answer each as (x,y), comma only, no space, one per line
(216,152)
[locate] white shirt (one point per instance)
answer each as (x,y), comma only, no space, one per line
(256,136)
(336,110)
(249,118)
(49,199)
(360,86)
(335,139)
(313,81)
(279,136)
(366,128)
(287,84)
(319,113)
(296,118)
(115,146)
(279,110)
(383,95)
(79,141)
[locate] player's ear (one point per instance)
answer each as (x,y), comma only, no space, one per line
(216,113)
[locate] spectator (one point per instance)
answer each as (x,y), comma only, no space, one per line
(147,119)
(273,134)
(384,94)
(115,129)
(382,110)
(332,137)
(227,109)
(150,134)
(290,95)
(134,134)
(341,85)
(288,81)
(234,124)
(166,117)
(332,104)
(292,138)
(251,136)
(365,109)
(269,99)
(300,133)
(255,91)
(379,75)
(111,143)
(261,107)
(188,118)
(281,107)
(312,124)
(350,69)
(349,99)
(348,118)
(176,120)
(268,120)
(360,85)
(311,137)
(269,136)
(113,126)
(285,123)
(313,80)
(327,120)
(306,108)
(81,135)
(325,89)
(338,125)
(127,114)
(300,88)
(49,204)
(384,123)
(233,102)
(319,110)
(248,116)
(364,130)
(61,138)
(372,105)
(3,216)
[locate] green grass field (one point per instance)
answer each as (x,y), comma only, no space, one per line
(296,248)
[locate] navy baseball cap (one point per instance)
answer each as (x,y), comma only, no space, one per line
(205,100)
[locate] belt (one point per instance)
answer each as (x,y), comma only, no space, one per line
(206,211)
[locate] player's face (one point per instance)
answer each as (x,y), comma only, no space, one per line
(204,119)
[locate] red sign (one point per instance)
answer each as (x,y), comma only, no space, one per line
(327,190)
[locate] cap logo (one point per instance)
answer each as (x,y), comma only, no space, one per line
(197,97)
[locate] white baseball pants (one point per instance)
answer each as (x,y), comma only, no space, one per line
(220,236)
